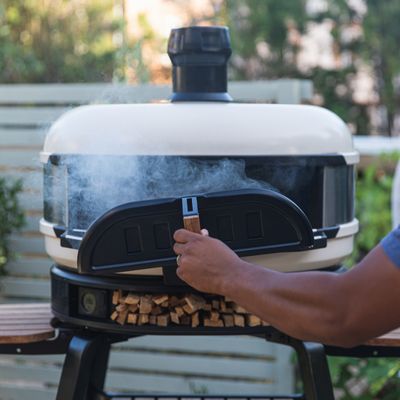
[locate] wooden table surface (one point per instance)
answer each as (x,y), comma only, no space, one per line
(28,323)
(25,323)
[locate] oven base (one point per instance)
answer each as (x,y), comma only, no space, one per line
(72,293)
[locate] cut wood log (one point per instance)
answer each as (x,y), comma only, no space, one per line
(174,317)
(228,320)
(116,296)
(215,304)
(122,317)
(179,311)
(238,320)
(132,299)
(132,319)
(188,310)
(213,324)
(253,320)
(239,309)
(195,320)
(156,310)
(160,299)
(143,319)
(222,306)
(121,307)
(195,302)
(153,320)
(163,319)
(146,305)
(114,315)
(133,308)
(214,315)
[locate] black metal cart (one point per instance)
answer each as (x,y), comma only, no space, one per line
(87,353)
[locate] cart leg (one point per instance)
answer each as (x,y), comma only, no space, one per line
(84,369)
(313,365)
(314,371)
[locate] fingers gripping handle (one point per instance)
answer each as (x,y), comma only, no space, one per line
(190,212)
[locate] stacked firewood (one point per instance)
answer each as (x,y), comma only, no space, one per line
(188,310)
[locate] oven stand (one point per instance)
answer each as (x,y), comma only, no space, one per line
(85,367)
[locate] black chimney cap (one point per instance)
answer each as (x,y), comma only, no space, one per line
(199,55)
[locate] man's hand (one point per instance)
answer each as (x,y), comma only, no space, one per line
(205,263)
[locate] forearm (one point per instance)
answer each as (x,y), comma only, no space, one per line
(340,309)
(304,305)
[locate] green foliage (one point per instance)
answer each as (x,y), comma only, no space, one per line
(382,37)
(265,22)
(373,205)
(335,88)
(57,41)
(277,26)
(11,217)
(374,378)
(357,379)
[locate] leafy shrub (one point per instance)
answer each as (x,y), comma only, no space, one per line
(364,379)
(11,217)
(373,206)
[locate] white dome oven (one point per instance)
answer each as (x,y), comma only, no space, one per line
(274,182)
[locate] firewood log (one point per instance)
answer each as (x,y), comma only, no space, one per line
(195,320)
(174,317)
(133,308)
(180,311)
(238,320)
(215,304)
(117,294)
(122,317)
(114,315)
(121,307)
(239,309)
(156,310)
(195,302)
(160,299)
(214,315)
(146,305)
(132,299)
(163,320)
(213,324)
(132,318)
(228,320)
(253,320)
(143,319)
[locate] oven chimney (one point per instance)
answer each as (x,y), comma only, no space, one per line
(199,55)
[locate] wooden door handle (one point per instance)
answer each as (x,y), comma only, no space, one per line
(192,223)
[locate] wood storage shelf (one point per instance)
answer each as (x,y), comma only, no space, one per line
(192,310)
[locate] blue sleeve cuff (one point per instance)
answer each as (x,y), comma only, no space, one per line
(391,246)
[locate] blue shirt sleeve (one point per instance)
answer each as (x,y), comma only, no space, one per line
(391,246)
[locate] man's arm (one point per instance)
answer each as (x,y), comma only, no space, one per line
(338,309)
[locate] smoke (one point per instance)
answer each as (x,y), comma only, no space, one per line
(98,183)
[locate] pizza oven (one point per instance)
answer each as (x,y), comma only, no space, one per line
(275,182)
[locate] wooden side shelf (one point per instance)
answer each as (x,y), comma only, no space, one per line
(25,323)
(391,339)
